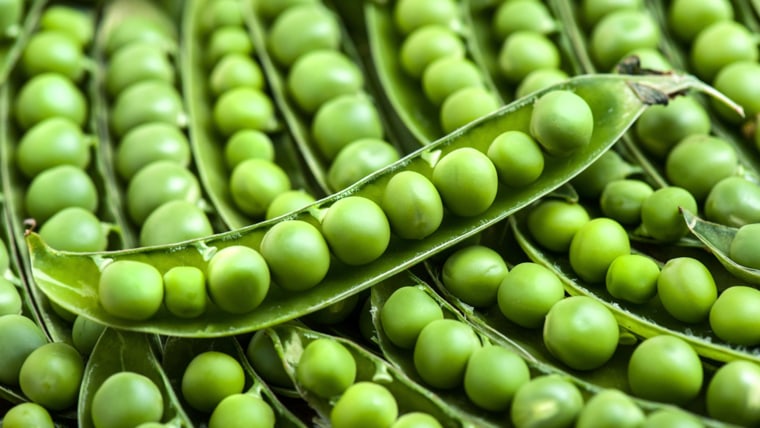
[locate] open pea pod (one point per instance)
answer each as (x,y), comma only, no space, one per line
(71,279)
(118,351)
(290,341)
(178,352)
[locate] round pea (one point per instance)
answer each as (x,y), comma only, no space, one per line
(174,221)
(287,202)
(22,336)
(137,62)
(265,360)
(540,79)
(620,32)
(53,52)
(525,51)
(671,418)
(596,244)
(74,229)
(416,420)
(145,102)
(553,223)
(364,404)
(621,200)
(720,44)
(562,122)
(743,248)
(473,274)
(359,159)
(248,144)
(244,410)
(738,81)
(610,408)
(493,376)
(49,95)
(661,216)
(517,157)
(406,312)
(74,22)
(549,400)
(322,75)
(141,28)
(427,44)
(527,292)
(466,105)
(131,290)
(732,316)
(57,188)
(10,299)
(687,289)
(733,201)
(126,399)
(209,378)
(698,162)
(235,70)
(633,278)
(51,375)
(150,142)
(665,368)
(52,142)
(467,181)
(687,18)
(27,415)
(243,108)
(412,204)
(85,334)
(447,75)
(409,15)
(296,254)
(594,10)
(227,40)
(661,127)
(157,183)
(185,291)
(222,13)
(254,183)
(522,15)
(442,350)
(326,368)
(342,120)
(356,230)
(609,167)
(238,279)
(731,392)
(300,29)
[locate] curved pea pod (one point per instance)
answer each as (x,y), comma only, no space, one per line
(290,341)
(177,354)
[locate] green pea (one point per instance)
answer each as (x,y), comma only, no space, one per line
(126,399)
(22,336)
(610,408)
(364,404)
(137,62)
(562,122)
(244,409)
(549,400)
(738,81)
(661,216)
(145,102)
(473,274)
(85,334)
(57,188)
(540,79)
(493,376)
(53,52)
(137,28)
(296,254)
(448,74)
(743,248)
(287,202)
(408,15)
(527,292)
(131,290)
(406,312)
(264,358)
(671,418)
(698,162)
(427,44)
(344,119)
(466,105)
(27,415)
(413,205)
(222,13)
(157,183)
(525,51)
(10,18)
(553,223)
(247,144)
(620,32)
(227,40)
(732,316)
(254,183)
(209,378)
(52,142)
(731,391)
(665,368)
(74,229)
(174,221)
(300,29)
(150,142)
(661,127)
(10,299)
(243,108)
(733,201)
(238,279)
(51,375)
(687,289)
(185,291)
(321,75)
(522,15)
(235,70)
(442,350)
(720,44)
(633,278)
(270,9)
(621,200)
(326,368)
(356,230)
(416,420)
(594,10)
(596,244)
(49,95)
(74,22)
(359,159)
(687,18)
(467,181)
(607,168)
(517,157)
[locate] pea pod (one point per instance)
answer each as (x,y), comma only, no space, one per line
(118,351)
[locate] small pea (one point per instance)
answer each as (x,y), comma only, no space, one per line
(185,291)
(174,221)
(322,75)
(553,223)
(527,293)
(300,29)
(548,400)
(467,181)
(408,15)
(227,40)
(493,376)
(150,142)
(427,44)
(244,409)
(287,202)
(359,159)
(326,368)
(57,188)
(517,157)
(525,51)
(51,375)
(157,183)
(466,105)
(74,229)
(145,102)
(53,52)
(447,75)
(209,378)
(247,144)
(85,334)
(473,274)
(661,216)
(131,290)
(621,200)
(344,119)
(632,277)
(238,279)
(562,122)
(296,253)
(27,415)
(595,246)
(235,70)
(412,204)
(356,229)
(52,142)
(405,313)
(137,62)
(243,108)
(743,247)
(49,95)
(254,183)
(665,368)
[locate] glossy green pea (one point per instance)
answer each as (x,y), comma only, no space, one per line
(517,157)
(235,70)
(522,15)
(442,350)
(466,105)
(595,245)
(74,22)
(148,143)
(733,201)
(157,183)
(473,274)
(732,316)
(22,336)
(416,420)
(620,32)
(446,75)
(296,253)
(228,40)
(287,202)
(549,400)
(51,375)
(145,102)
(266,362)
(359,159)
(739,81)
(743,248)
(632,277)
(409,15)
(254,183)
(174,221)
(562,122)
(12,11)
(49,95)
(594,10)
(243,108)
(27,415)
(245,409)
(185,291)
(137,28)
(610,408)
(344,119)
(405,313)
(412,204)
(525,51)
(126,399)
(300,29)
(209,378)
(52,142)
(687,18)
(318,76)
(427,44)
(137,62)
(130,290)
(540,79)
(687,289)
(661,127)
(57,188)
(527,292)
(730,393)
(364,404)
(248,144)
(493,376)
(222,13)
(720,44)
(74,229)
(467,181)
(53,52)
(609,167)
(85,333)
(621,200)
(553,223)
(326,368)
(10,299)
(660,215)
(238,279)
(356,229)
(671,418)
(699,162)
(665,368)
